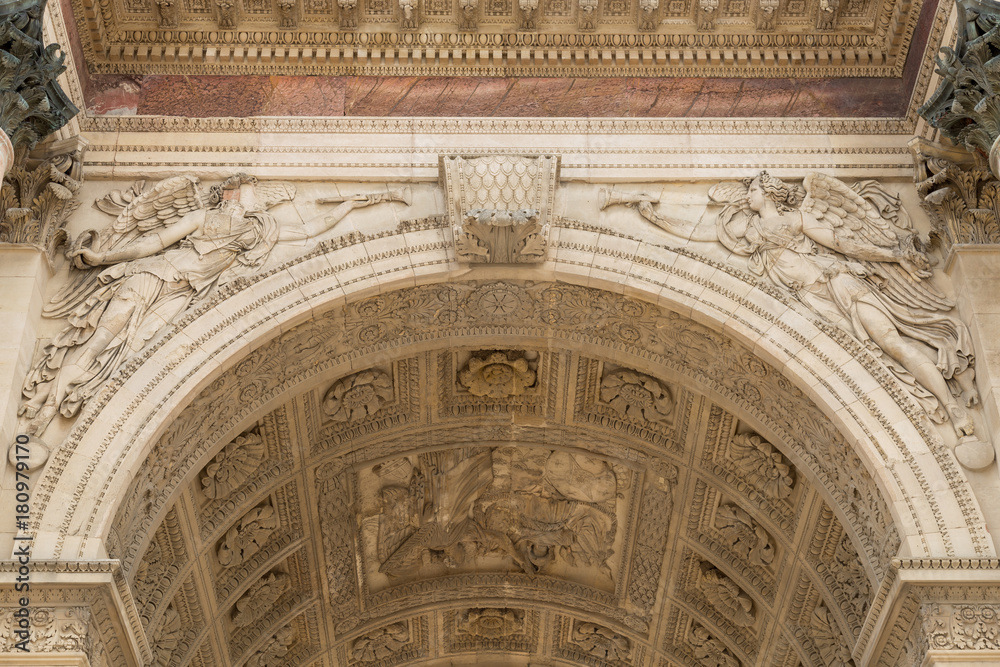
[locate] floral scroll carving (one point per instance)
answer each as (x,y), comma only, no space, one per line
(709,651)
(963,627)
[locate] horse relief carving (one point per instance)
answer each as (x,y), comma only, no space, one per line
(473,509)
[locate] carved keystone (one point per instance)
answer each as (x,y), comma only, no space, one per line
(500,206)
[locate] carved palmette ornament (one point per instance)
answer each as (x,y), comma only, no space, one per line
(499,206)
(726,596)
(357,396)
(381,643)
(248,536)
(260,598)
(233,465)
(764,466)
(601,642)
(51,629)
(638,396)
(491,623)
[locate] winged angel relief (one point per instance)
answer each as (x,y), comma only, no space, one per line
(168,246)
(850,255)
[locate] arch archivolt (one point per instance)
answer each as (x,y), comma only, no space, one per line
(758,392)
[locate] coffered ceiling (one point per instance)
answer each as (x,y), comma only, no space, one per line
(504,498)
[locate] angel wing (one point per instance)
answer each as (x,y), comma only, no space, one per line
(850,214)
(138,210)
(868,214)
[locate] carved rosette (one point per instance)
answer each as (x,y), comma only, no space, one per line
(763,466)
(962,627)
(500,206)
(490,623)
(497,375)
(260,598)
(358,396)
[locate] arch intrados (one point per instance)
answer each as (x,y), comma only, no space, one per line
(161,379)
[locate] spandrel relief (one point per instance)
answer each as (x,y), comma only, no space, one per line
(167,247)
(478,509)
(851,255)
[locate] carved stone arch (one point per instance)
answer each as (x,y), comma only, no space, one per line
(827,370)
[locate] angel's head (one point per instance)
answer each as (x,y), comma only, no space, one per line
(240,187)
(763,187)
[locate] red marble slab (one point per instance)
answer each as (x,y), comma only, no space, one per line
(640,97)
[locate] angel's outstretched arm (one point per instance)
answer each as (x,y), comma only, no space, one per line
(324,222)
(686,229)
(147,244)
(823,233)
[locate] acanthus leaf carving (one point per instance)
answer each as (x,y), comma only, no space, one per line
(358,396)
(39,195)
(636,395)
(381,643)
(260,598)
(247,537)
(274,649)
(962,627)
(602,642)
(743,535)
(709,651)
